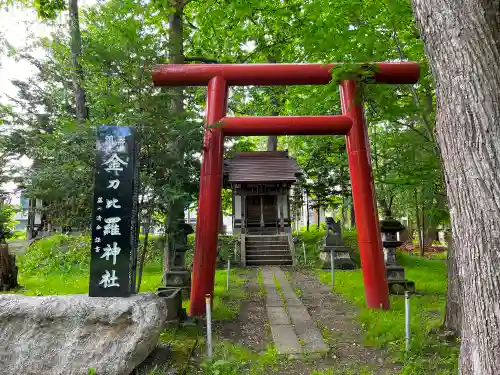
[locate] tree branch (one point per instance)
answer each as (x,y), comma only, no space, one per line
(414,93)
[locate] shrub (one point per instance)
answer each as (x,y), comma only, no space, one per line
(57,253)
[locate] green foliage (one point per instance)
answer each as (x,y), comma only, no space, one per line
(58,253)
(7,222)
(359,72)
(119,41)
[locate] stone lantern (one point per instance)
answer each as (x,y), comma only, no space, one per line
(179,276)
(178,279)
(395,273)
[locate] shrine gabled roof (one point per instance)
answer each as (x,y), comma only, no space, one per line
(261,167)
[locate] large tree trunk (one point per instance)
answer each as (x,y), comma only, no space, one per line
(76,51)
(272,140)
(453,313)
(176,56)
(462,41)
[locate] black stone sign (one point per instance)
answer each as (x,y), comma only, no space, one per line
(114,221)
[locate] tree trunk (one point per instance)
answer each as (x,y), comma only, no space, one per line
(8,269)
(144,248)
(272,140)
(419,227)
(176,56)
(30,227)
(422,237)
(462,41)
(76,51)
(307,210)
(453,314)
(166,250)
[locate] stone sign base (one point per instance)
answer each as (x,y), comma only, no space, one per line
(175,312)
(72,334)
(397,282)
(341,258)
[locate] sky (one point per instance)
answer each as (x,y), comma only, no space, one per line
(20,27)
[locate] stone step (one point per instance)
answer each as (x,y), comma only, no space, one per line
(268,256)
(261,245)
(266,235)
(257,233)
(266,240)
(257,246)
(270,251)
(273,262)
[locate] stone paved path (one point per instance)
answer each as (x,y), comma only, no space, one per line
(293,330)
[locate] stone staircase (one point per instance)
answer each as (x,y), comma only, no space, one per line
(263,250)
(259,231)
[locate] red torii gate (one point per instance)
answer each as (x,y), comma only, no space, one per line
(352,124)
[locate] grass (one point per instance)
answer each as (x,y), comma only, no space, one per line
(260,281)
(385,329)
(341,372)
(59,265)
(226,303)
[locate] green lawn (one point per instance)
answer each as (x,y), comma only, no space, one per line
(226,303)
(77,281)
(386,328)
(59,265)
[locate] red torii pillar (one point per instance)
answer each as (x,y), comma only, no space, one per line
(218,78)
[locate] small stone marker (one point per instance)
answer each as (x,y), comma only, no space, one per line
(114,220)
(333,242)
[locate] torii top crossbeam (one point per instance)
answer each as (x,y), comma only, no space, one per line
(274,74)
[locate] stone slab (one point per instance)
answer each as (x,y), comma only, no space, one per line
(306,330)
(267,277)
(292,299)
(285,339)
(273,299)
(311,338)
(289,294)
(277,315)
(299,314)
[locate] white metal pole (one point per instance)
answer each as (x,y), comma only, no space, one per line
(407,319)
(209,325)
(332,266)
(228,273)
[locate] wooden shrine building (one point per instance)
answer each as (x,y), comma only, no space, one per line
(260,184)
